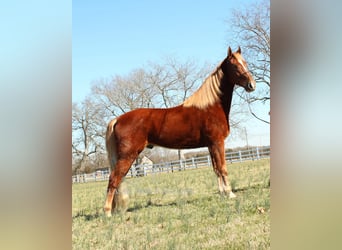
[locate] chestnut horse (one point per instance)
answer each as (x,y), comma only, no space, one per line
(202,120)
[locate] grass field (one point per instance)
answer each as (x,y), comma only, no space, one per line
(181,210)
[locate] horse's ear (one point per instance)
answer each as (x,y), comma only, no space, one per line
(239,50)
(229,52)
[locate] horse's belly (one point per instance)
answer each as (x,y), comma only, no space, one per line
(178,139)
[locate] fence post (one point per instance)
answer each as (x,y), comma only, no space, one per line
(209,161)
(240,156)
(257,153)
(193,162)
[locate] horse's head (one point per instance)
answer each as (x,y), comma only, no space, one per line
(236,68)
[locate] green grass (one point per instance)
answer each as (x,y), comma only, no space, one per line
(181,210)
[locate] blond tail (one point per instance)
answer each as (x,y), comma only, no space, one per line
(121,198)
(111,144)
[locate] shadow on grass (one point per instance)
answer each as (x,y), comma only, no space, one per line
(86,216)
(246,188)
(152,204)
(194,201)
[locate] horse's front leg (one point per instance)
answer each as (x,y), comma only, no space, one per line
(219,164)
(226,187)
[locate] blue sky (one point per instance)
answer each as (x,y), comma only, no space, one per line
(114,37)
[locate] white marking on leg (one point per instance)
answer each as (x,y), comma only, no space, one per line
(219,181)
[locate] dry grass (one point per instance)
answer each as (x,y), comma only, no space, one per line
(178,211)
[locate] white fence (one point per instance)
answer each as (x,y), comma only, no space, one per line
(179,165)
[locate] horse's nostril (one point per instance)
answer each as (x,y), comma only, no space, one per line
(251,86)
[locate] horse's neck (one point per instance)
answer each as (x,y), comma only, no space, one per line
(227,88)
(226,98)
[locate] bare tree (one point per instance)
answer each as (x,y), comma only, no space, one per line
(188,76)
(163,84)
(123,93)
(251,28)
(88,131)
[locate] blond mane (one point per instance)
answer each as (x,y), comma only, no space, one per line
(209,92)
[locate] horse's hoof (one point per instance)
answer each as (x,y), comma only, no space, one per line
(108,213)
(232,195)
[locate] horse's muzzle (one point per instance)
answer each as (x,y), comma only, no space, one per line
(250,87)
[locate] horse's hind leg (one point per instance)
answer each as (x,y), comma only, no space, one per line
(115,179)
(219,164)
